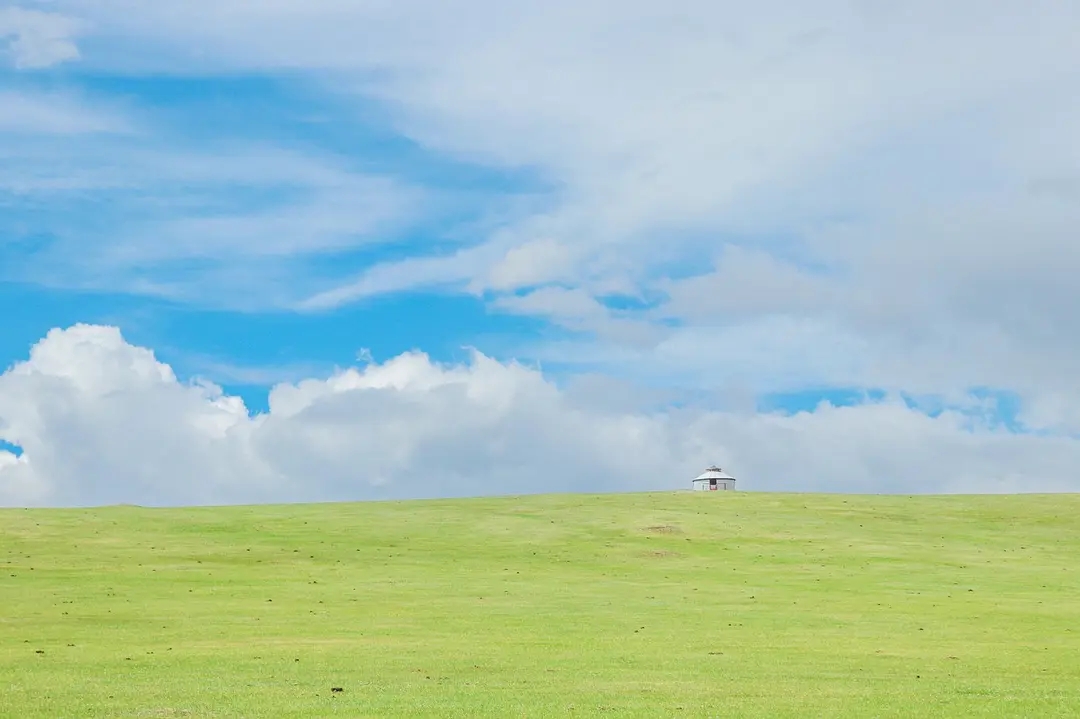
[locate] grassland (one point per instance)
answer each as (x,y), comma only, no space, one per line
(652,605)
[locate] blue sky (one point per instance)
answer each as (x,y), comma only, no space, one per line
(200,334)
(196,336)
(692,232)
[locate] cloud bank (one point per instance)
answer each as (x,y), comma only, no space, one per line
(102,421)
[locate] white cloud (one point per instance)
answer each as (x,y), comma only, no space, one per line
(234,228)
(579,311)
(102,421)
(452,270)
(775,353)
(536,261)
(353,210)
(38,39)
(54,114)
(748,283)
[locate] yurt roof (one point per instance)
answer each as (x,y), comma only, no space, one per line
(713,473)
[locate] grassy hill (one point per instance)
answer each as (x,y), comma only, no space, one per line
(652,605)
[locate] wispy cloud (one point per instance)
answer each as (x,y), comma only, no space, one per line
(178,222)
(578,310)
(38,113)
(38,39)
(439,273)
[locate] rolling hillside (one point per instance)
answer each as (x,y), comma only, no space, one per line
(653,605)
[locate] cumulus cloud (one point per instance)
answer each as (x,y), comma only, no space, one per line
(102,421)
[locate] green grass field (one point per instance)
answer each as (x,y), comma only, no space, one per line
(653,605)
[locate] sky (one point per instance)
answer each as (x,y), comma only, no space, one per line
(324,250)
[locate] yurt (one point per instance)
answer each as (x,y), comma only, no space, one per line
(713,479)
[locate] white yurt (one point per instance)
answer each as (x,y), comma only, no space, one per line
(713,479)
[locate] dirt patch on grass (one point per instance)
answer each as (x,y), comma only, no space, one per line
(662,553)
(664,529)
